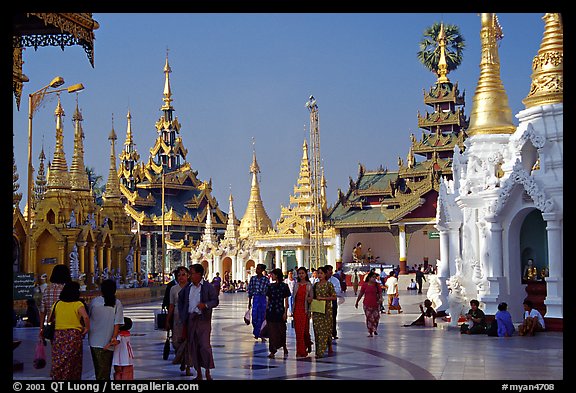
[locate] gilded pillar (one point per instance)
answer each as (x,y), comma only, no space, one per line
(109,258)
(148,251)
(101,259)
(81,251)
(90,275)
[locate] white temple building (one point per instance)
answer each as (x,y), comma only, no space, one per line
(504,205)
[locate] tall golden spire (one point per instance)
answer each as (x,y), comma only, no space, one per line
(78,176)
(167,91)
(303,191)
(490,111)
(255,218)
(112,186)
(58,177)
(129,138)
(548,65)
(442,64)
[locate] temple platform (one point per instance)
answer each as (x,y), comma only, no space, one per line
(397,353)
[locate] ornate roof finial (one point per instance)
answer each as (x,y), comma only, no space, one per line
(490,111)
(548,65)
(167,91)
(254,168)
(442,64)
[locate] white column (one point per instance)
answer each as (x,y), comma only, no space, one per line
(234,272)
(495,260)
(217,267)
(260,255)
(300,256)
(443,268)
(554,282)
(148,252)
(338,247)
(491,258)
(453,245)
(278,259)
(402,246)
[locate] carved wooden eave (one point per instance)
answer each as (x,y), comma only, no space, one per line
(444,92)
(434,141)
(163,124)
(431,120)
(160,145)
(49,29)
(137,216)
(410,202)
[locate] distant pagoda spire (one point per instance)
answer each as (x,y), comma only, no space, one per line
(78,176)
(231,227)
(548,65)
(58,177)
(169,152)
(209,237)
(16,196)
(303,190)
(112,186)
(128,158)
(40,185)
(490,113)
(255,218)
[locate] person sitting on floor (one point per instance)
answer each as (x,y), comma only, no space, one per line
(533,320)
(412,285)
(503,320)
(429,312)
(475,320)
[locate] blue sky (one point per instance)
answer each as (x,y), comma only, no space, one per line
(236,77)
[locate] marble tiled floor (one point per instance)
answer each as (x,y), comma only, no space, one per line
(397,353)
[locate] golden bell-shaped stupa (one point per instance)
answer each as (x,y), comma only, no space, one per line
(490,113)
(548,65)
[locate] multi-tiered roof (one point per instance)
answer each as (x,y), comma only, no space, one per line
(187,200)
(380,198)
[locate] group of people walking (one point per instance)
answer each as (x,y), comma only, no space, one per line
(191,299)
(271,299)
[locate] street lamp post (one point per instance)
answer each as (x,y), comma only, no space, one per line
(34,101)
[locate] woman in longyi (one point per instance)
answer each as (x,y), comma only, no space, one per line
(322,322)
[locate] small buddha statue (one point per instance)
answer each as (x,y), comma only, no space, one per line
(543,273)
(530,271)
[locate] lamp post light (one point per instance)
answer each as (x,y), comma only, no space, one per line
(34,101)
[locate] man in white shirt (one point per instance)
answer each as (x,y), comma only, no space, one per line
(340,295)
(195,304)
(391,286)
(533,320)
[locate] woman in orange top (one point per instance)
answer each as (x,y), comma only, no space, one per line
(302,296)
(72,324)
